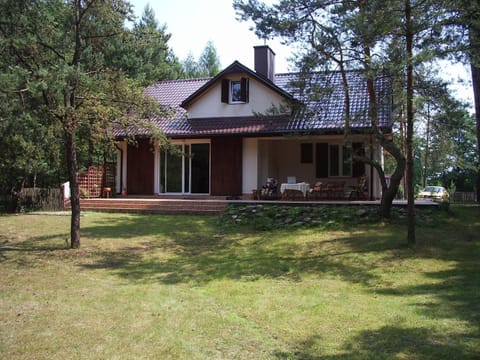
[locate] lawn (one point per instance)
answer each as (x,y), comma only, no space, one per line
(194,287)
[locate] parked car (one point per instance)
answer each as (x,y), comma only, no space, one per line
(434,193)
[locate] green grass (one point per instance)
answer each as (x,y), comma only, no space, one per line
(194,287)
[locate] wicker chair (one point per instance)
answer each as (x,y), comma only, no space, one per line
(360,191)
(334,190)
(318,191)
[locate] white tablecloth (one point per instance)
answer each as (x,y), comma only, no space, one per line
(303,187)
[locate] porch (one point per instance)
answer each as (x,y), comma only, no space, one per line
(238,165)
(321,167)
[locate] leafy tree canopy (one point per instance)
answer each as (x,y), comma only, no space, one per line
(208,64)
(143,52)
(59,77)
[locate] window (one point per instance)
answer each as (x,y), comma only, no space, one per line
(346,161)
(340,160)
(235,91)
(358,166)
(334,160)
(306,153)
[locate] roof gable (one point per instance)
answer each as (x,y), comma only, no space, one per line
(235,68)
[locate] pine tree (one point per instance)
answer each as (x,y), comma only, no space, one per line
(59,73)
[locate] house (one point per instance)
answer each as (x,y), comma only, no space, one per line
(237,129)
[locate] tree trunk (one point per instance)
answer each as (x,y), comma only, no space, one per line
(91,150)
(427,148)
(474,39)
(74,191)
(70,126)
(390,191)
(388,195)
(16,193)
(476,96)
(410,118)
(403,146)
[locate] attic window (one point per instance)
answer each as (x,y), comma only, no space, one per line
(235,91)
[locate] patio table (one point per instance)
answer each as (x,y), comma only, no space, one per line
(303,187)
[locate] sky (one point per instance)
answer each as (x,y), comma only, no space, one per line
(192,23)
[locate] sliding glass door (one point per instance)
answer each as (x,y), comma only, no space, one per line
(200,165)
(173,167)
(186,169)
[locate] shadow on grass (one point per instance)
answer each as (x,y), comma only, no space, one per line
(37,246)
(134,226)
(390,342)
(196,250)
(456,287)
(200,261)
(456,294)
(173,250)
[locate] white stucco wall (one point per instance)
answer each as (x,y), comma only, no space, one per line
(121,167)
(209,104)
(288,152)
(250,165)
(156,169)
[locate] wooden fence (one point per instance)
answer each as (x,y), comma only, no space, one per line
(461,196)
(45,199)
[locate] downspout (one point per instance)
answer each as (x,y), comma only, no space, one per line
(121,167)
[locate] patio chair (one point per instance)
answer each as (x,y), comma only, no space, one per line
(318,191)
(270,190)
(339,190)
(360,191)
(335,190)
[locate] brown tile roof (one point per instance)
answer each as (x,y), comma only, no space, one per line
(171,93)
(324,110)
(324,100)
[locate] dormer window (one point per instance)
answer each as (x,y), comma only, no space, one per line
(235,91)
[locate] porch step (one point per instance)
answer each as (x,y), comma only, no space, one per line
(167,206)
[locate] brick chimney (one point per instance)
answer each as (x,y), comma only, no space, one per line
(265,62)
